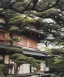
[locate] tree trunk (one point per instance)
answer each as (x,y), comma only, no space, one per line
(15,69)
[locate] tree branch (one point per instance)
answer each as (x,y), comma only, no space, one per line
(34,3)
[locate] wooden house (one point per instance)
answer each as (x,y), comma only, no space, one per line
(29,39)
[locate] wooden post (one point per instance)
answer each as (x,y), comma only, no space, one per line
(15,70)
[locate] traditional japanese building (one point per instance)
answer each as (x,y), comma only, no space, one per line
(29,39)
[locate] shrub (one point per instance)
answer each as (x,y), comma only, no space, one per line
(37,76)
(53,75)
(14,29)
(1,66)
(2,76)
(1,69)
(9,76)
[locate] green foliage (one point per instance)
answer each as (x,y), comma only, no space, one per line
(14,29)
(18,18)
(56,64)
(61,74)
(14,56)
(18,58)
(21,57)
(1,66)
(1,70)
(58,59)
(53,75)
(9,40)
(38,76)
(23,13)
(33,62)
(29,20)
(52,10)
(37,64)
(55,51)
(30,6)
(21,18)
(10,49)
(15,39)
(34,12)
(29,59)
(59,66)
(19,4)
(2,76)
(9,76)
(48,50)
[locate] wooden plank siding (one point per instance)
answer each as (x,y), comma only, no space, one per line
(2,37)
(29,43)
(24,41)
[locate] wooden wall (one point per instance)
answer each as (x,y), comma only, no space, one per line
(24,41)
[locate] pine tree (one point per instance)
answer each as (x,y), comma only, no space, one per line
(44,15)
